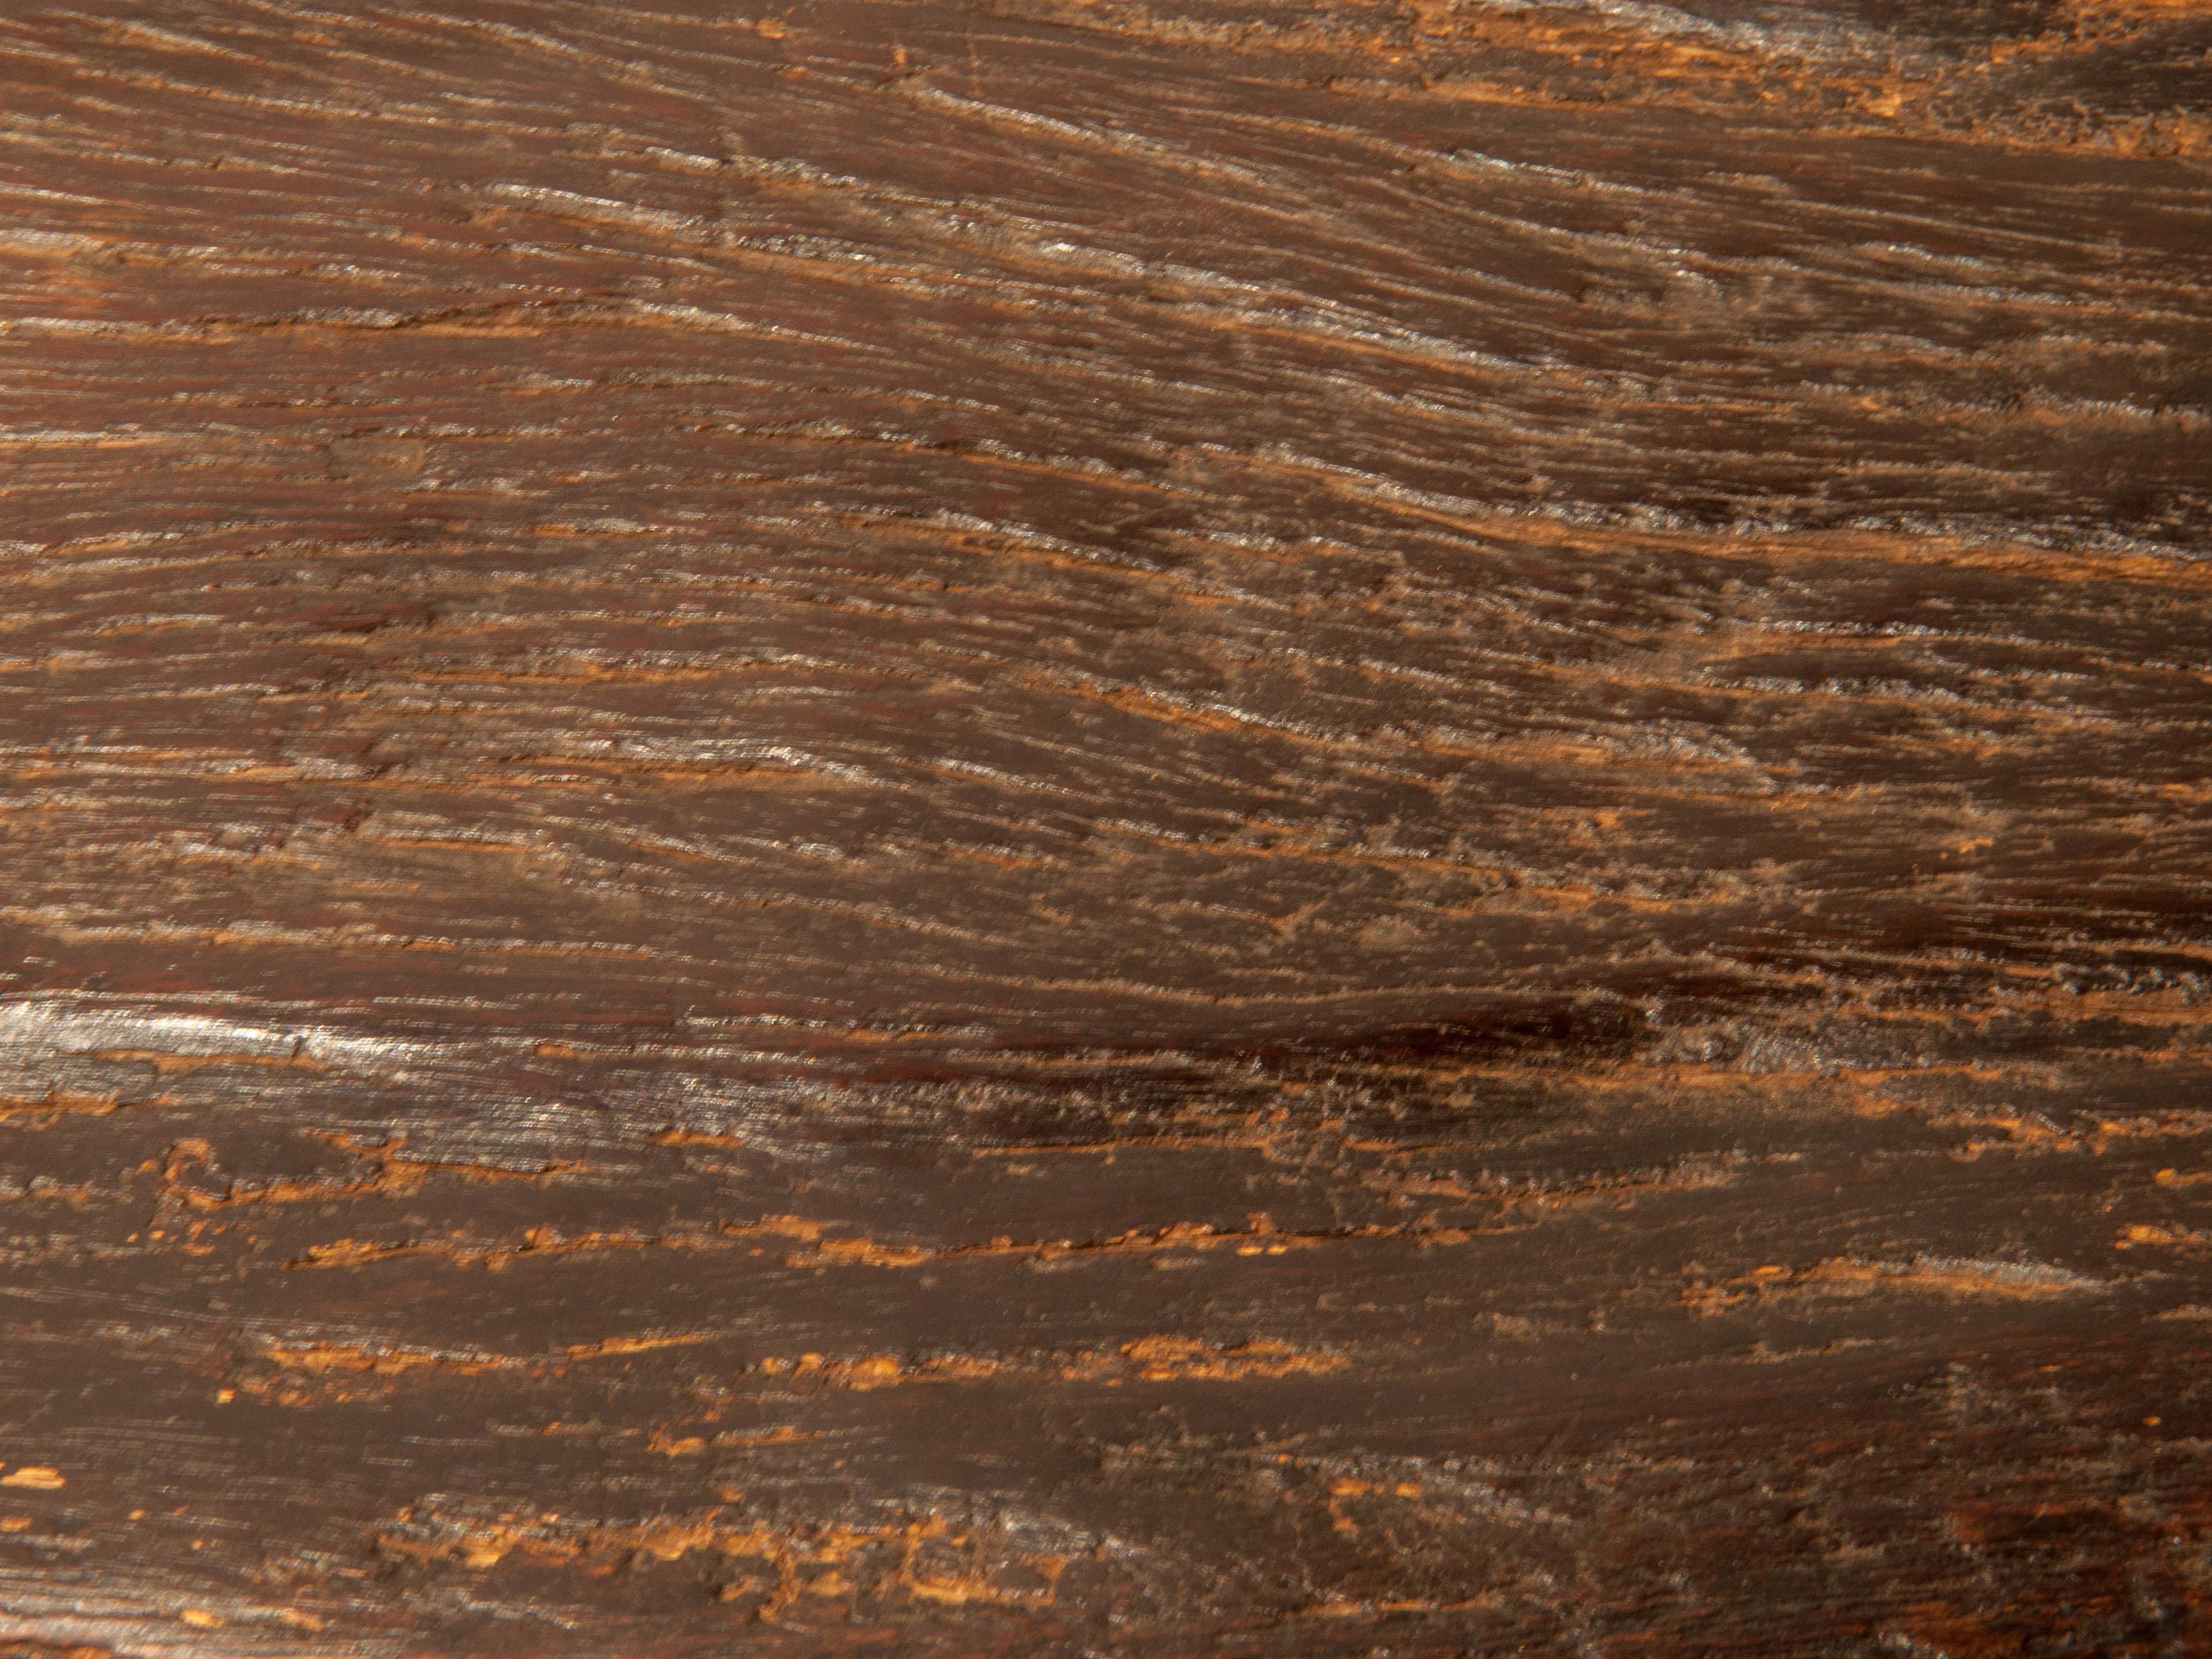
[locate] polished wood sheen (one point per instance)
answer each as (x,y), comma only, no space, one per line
(1061,828)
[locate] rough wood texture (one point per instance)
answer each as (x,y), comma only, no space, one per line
(1019,827)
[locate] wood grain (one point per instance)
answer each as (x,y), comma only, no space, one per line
(1090,828)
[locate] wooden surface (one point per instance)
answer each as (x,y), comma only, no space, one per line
(1015,827)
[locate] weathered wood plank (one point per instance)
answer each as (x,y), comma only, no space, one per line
(1091,829)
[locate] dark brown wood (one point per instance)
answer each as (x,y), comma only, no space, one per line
(1021,827)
